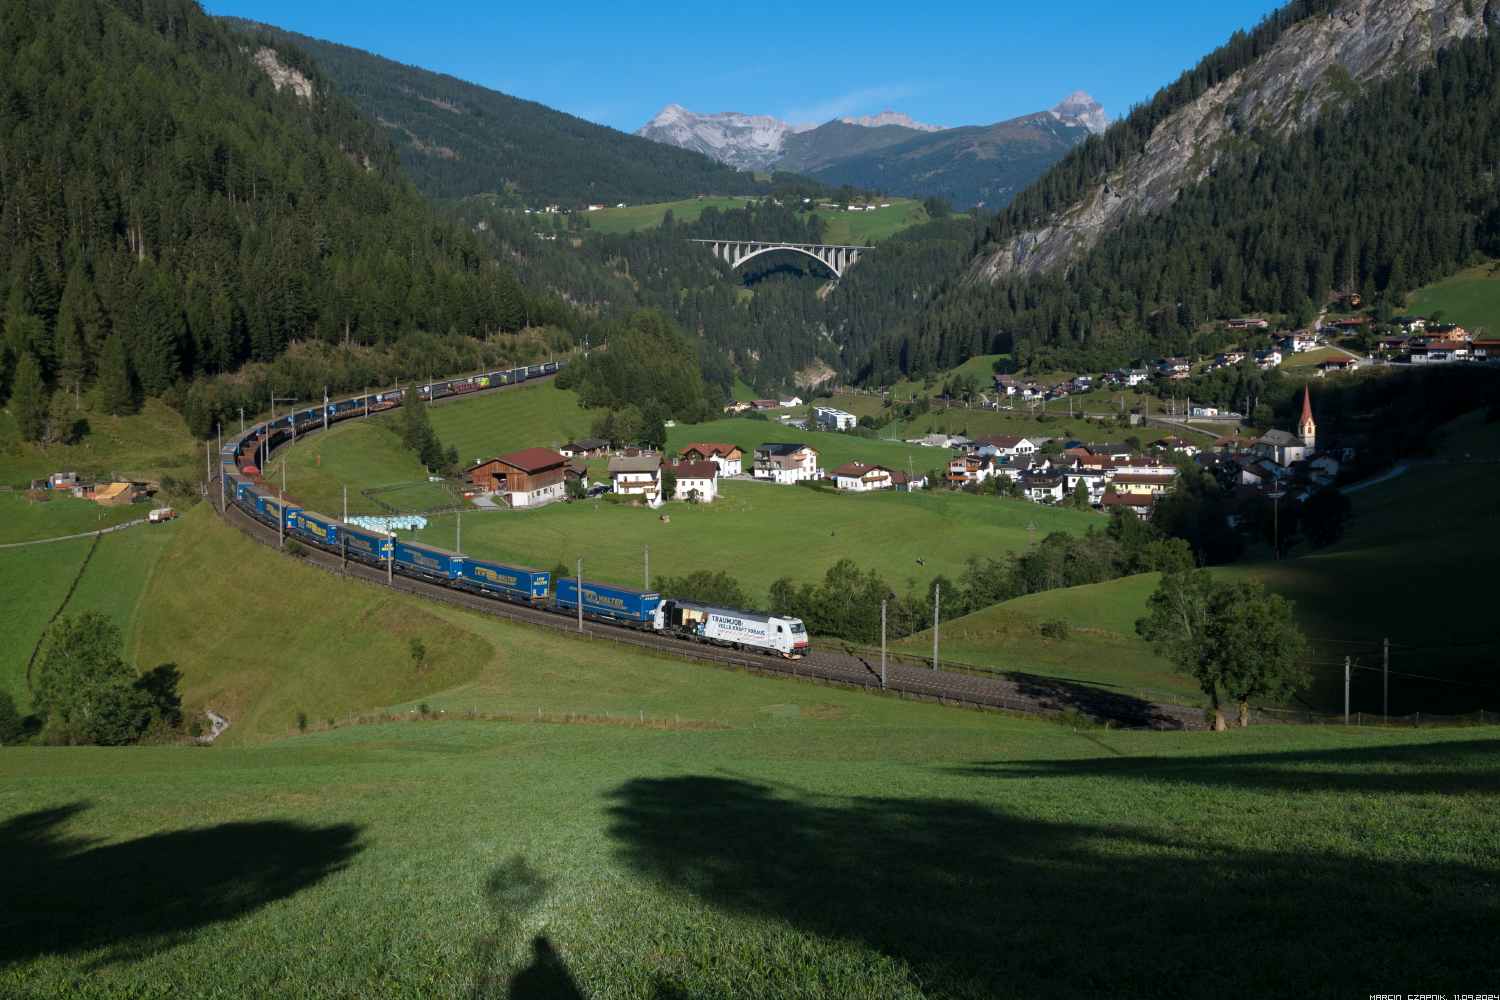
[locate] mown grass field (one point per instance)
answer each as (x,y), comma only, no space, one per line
(1471,298)
(23,520)
(759,533)
(623,220)
(37,577)
(847,846)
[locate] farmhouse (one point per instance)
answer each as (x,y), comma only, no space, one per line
(524,478)
(1248,323)
(905,483)
(785,463)
(728,457)
(859,477)
(1136,484)
(638,474)
(1007,446)
(1040,485)
(586,448)
(702,476)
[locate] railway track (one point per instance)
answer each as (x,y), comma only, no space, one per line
(922,683)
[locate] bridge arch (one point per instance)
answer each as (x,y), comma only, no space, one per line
(837,259)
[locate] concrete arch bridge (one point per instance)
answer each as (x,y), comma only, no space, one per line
(836,258)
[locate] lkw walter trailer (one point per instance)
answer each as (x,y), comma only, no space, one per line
(733,627)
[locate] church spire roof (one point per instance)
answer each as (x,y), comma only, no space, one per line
(1307,404)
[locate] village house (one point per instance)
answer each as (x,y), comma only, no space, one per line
(1136,484)
(702,476)
(1043,486)
(1094,478)
(972,468)
(788,402)
(765,404)
(1268,358)
(637,474)
(1181,444)
(1174,365)
(859,477)
(522,478)
(737,406)
(1107,450)
(1412,324)
(728,457)
(1437,352)
(905,482)
(585,448)
(1248,323)
(1340,363)
(1297,341)
(786,463)
(1230,357)
(1447,331)
(1006,446)
(1141,503)
(1486,350)
(1231,443)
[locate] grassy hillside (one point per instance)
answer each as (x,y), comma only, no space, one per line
(995,856)
(1470,298)
(146,445)
(23,520)
(296,640)
(847,228)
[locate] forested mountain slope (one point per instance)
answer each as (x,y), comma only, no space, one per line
(458,139)
(1378,193)
(180,199)
(1303,59)
(795,316)
(972,165)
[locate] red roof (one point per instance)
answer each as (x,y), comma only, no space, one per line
(532,459)
(710,450)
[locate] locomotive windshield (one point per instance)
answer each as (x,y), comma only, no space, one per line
(798,627)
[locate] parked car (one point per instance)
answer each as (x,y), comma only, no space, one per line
(600,490)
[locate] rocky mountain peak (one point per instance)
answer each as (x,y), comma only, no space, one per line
(891,118)
(1083,107)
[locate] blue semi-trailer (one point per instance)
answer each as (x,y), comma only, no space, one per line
(427,561)
(317,528)
(609,600)
(365,544)
(488,576)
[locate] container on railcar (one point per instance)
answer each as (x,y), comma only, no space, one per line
(609,600)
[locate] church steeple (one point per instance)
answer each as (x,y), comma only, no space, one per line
(1306,429)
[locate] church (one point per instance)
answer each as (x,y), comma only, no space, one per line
(1283,448)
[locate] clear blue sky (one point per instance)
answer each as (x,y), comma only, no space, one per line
(946,63)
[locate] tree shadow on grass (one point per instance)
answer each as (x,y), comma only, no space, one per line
(1450,767)
(64,894)
(981,900)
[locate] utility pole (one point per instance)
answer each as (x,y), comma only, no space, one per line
(580,595)
(882,645)
(1347,672)
(325,408)
(281,512)
(390,562)
(647,584)
(242,420)
(1385,683)
(346,503)
(937,593)
(1031,535)
(458,531)
(365,398)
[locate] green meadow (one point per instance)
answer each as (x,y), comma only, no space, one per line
(759,533)
(23,520)
(824,844)
(1470,298)
(145,445)
(842,228)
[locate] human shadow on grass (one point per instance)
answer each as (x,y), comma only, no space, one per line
(65,894)
(983,900)
(1449,767)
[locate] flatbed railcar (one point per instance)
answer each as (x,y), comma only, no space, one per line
(608,601)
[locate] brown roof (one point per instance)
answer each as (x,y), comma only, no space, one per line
(532,459)
(710,450)
(857,469)
(692,470)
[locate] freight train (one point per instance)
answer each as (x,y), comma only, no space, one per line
(613,604)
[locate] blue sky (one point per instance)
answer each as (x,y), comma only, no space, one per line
(945,63)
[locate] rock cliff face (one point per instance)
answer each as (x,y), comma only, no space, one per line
(889,117)
(745,142)
(1321,62)
(1083,107)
